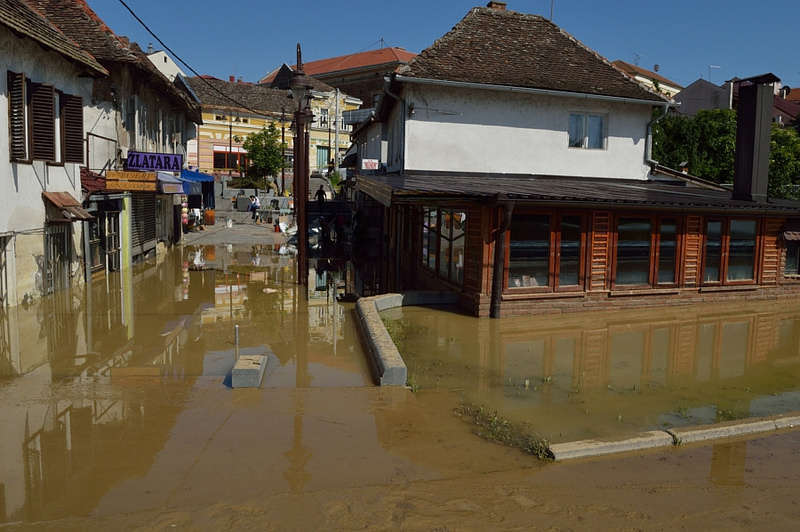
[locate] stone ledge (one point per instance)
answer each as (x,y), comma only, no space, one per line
(248,371)
(385,359)
(585,448)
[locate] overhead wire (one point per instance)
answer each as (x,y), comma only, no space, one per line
(188,66)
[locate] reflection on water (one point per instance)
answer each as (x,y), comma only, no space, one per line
(92,382)
(607,373)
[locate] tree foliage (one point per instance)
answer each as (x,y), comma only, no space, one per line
(264,154)
(706,144)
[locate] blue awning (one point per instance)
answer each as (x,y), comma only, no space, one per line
(197,177)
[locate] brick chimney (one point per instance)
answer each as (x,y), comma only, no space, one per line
(753,126)
(497,6)
(232,78)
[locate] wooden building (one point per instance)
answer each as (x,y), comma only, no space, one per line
(524,181)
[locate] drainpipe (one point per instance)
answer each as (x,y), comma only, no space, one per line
(648,151)
(500,254)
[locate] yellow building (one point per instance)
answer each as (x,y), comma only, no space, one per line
(233,109)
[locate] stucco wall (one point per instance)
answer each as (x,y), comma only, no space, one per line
(467,130)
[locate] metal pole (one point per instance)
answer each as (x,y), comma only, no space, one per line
(552,2)
(336,135)
(236,340)
(283,151)
(301,194)
(230,145)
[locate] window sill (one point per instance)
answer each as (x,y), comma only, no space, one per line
(730,288)
(541,295)
(50,163)
(644,292)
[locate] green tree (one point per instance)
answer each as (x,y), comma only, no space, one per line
(784,163)
(264,154)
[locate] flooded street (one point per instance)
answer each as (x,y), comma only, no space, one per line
(116,413)
(610,374)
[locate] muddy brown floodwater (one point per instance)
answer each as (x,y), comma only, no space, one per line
(115,415)
(610,374)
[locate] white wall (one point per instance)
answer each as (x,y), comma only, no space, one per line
(21,185)
(165,64)
(467,130)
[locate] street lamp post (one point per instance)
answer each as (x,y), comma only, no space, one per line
(283,151)
(300,88)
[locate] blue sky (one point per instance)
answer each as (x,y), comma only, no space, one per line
(248,38)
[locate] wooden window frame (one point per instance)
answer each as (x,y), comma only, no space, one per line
(554,256)
(655,249)
(725,251)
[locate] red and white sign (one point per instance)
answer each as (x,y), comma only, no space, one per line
(369,164)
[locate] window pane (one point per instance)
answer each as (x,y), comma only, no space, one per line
(569,267)
(444,243)
(458,260)
(633,251)
(529,262)
(667,249)
(575,131)
(713,251)
(432,234)
(596,130)
(219,159)
(741,258)
(792,255)
(425,237)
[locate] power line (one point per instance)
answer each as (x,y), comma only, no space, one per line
(187,65)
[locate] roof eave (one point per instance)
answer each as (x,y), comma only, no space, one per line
(529,90)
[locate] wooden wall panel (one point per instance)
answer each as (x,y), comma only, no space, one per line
(771,258)
(693,252)
(473,261)
(599,250)
(594,360)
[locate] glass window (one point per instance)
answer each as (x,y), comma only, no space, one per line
(570,251)
(742,252)
(633,251)
(713,258)
(433,233)
(667,250)
(444,244)
(576,131)
(792,266)
(596,130)
(219,159)
(425,236)
(459,231)
(529,253)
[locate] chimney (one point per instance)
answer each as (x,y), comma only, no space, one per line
(753,125)
(232,78)
(497,6)
(149,48)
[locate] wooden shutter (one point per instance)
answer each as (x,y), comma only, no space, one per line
(72,128)
(43,122)
(16,116)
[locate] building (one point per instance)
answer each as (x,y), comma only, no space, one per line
(359,75)
(46,83)
(234,109)
(650,78)
(134,113)
(519,175)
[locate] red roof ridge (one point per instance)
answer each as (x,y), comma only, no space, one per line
(398,53)
(645,72)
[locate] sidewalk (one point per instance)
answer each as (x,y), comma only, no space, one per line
(244,231)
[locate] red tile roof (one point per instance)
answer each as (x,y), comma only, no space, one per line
(381,56)
(24,18)
(635,70)
(494,47)
(794,95)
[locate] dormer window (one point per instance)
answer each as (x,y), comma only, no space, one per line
(587,131)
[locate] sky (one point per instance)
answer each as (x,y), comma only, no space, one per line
(248,38)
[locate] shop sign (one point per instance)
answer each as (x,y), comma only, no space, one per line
(131,181)
(149,162)
(369,164)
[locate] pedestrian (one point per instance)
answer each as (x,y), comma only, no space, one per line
(256,206)
(250,206)
(320,195)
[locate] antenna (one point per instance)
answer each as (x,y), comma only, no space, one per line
(382,42)
(636,58)
(552,5)
(709,70)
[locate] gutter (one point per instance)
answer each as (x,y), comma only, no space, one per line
(524,90)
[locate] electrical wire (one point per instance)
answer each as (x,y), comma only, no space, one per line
(188,66)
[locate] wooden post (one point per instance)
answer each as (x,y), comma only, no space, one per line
(507,209)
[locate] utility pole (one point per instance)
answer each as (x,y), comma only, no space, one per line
(336,135)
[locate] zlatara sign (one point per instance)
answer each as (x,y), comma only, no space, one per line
(171,162)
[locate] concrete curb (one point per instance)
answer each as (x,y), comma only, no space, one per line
(385,360)
(673,437)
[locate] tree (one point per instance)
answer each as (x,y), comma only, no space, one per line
(264,154)
(707,144)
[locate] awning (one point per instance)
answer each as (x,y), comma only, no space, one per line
(169,184)
(62,207)
(349,161)
(198,177)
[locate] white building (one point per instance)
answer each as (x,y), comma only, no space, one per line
(47,79)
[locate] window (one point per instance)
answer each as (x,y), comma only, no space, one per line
(219,118)
(792,266)
(17,123)
(443,237)
(545,252)
(224,160)
(647,251)
(587,131)
(71,110)
(730,251)
(633,251)
(323,118)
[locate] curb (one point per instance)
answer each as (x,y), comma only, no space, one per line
(385,359)
(673,437)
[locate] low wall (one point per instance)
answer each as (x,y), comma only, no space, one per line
(386,362)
